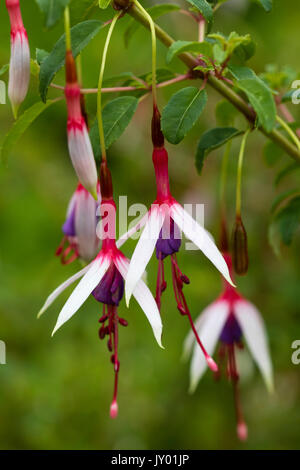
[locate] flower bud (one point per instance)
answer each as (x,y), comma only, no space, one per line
(19,67)
(81,223)
(239,247)
(79,143)
(156,133)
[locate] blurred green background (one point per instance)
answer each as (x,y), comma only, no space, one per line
(55,393)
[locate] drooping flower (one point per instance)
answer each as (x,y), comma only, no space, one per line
(79,143)
(228,320)
(104,279)
(19,67)
(162,225)
(80,239)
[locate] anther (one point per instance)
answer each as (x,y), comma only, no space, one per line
(103,318)
(185,279)
(181,309)
(101,332)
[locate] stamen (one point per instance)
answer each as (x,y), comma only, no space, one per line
(177,276)
(242,431)
(61,246)
(115,320)
(68,251)
(161,284)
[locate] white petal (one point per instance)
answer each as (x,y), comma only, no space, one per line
(61,288)
(201,238)
(85,225)
(143,250)
(253,328)
(132,230)
(146,300)
(19,69)
(79,295)
(211,328)
(82,157)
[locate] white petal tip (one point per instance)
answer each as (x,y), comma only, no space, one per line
(93,192)
(192,387)
(228,279)
(127,297)
(15,108)
(242,431)
(114,410)
(40,313)
(212,364)
(54,331)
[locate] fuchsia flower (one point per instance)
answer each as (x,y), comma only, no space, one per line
(161,231)
(19,67)
(104,279)
(226,320)
(80,227)
(79,143)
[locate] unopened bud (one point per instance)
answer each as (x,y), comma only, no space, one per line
(156,133)
(239,247)
(71,72)
(105,181)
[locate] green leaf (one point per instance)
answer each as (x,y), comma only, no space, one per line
(204,7)
(258,93)
(41,55)
(211,140)
(243,53)
(238,48)
(82,9)
(52,10)
(266,4)
(272,153)
(116,114)
(288,96)
(20,126)
(285,224)
(81,35)
(103,4)
(155,12)
(117,79)
(179,47)
(182,112)
(225,113)
(282,197)
(287,170)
